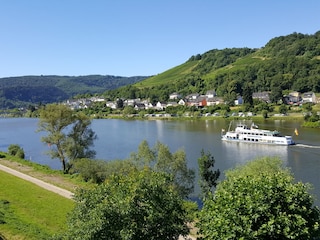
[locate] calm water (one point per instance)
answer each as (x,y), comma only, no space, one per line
(118,138)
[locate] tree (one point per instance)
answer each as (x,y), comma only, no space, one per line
(141,205)
(16,150)
(69,135)
(97,171)
(161,159)
(260,200)
(264,114)
(119,103)
(207,177)
(283,109)
(247,93)
(276,93)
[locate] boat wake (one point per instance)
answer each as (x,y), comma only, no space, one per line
(307,146)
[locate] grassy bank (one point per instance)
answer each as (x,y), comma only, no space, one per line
(30,212)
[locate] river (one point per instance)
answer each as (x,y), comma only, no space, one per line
(118,138)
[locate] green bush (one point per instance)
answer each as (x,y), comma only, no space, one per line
(20,153)
(16,150)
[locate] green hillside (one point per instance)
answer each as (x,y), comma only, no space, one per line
(26,90)
(285,63)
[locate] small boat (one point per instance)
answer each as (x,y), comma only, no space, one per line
(252,134)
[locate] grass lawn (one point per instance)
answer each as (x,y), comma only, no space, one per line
(30,212)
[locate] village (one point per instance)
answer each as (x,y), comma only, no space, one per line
(191,100)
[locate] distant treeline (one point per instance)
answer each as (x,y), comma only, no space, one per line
(26,90)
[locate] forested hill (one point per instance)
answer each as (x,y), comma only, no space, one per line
(285,63)
(26,90)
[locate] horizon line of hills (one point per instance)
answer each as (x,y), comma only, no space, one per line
(285,63)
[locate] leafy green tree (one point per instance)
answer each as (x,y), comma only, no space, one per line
(119,103)
(264,114)
(69,134)
(207,176)
(283,109)
(97,171)
(128,110)
(260,200)
(161,159)
(141,205)
(247,93)
(307,107)
(16,150)
(276,93)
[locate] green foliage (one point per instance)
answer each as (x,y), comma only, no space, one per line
(69,135)
(97,171)
(260,200)
(161,159)
(307,107)
(207,176)
(283,109)
(247,93)
(264,114)
(313,117)
(142,205)
(128,110)
(16,150)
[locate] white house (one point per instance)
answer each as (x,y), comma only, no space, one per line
(238,101)
(262,96)
(97,99)
(160,106)
(192,96)
(211,94)
(174,95)
(139,106)
(309,97)
(112,105)
(214,101)
(182,102)
(172,104)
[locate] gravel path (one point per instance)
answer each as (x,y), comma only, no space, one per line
(45,185)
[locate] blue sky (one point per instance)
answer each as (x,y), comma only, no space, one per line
(137,37)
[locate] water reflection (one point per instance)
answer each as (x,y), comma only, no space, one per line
(239,153)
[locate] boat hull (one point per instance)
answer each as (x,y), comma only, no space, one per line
(281,142)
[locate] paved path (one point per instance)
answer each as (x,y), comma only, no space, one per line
(45,185)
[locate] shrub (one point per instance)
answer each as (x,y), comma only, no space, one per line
(16,150)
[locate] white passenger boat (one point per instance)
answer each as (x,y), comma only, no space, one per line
(252,134)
